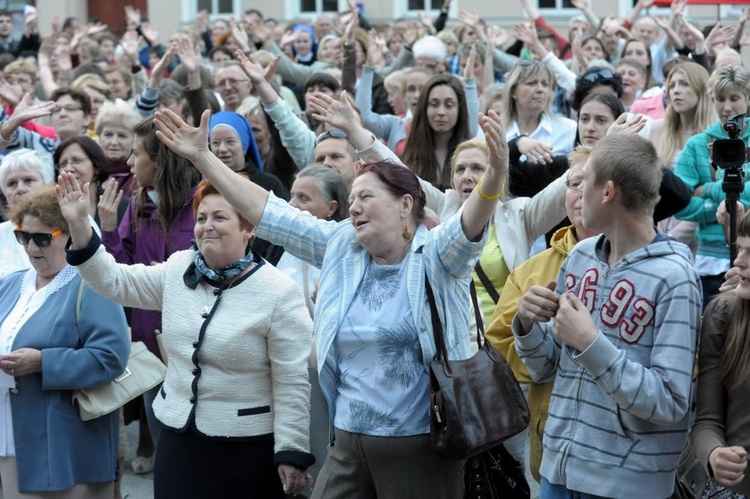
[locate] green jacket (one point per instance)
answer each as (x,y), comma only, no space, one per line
(694,168)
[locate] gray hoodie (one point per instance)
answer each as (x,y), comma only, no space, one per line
(618,416)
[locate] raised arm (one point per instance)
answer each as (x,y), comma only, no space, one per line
(481,203)
(192,144)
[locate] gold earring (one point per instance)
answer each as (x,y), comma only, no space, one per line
(407,235)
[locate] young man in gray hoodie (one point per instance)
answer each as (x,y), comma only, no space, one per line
(617,332)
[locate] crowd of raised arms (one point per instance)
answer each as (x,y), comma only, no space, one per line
(265,204)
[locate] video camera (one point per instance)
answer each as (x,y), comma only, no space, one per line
(731,152)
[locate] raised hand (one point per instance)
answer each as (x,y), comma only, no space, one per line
(11,93)
(499,36)
(288,38)
(132,16)
(74,199)
(109,201)
(469,18)
(580,4)
(150,33)
(130,43)
(201,20)
(494,134)
(187,141)
(373,55)
(157,72)
(251,67)
(470,61)
(427,21)
(190,56)
(239,35)
(338,114)
(351,28)
(26,110)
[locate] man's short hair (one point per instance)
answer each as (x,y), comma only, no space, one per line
(632,164)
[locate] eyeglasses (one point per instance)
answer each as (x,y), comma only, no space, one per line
(331,134)
(232,82)
(15,80)
(602,74)
(574,184)
(72,162)
(67,109)
(41,239)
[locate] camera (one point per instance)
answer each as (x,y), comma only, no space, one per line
(731,152)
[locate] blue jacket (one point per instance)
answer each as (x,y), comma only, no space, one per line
(55,449)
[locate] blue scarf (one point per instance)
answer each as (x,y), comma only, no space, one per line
(199,270)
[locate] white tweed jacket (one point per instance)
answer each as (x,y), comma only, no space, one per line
(240,372)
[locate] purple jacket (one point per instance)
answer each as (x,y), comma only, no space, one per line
(142,241)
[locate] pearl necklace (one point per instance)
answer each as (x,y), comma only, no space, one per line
(217,292)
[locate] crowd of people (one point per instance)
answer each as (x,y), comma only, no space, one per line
(262,204)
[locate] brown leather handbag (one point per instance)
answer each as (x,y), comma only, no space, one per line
(476,403)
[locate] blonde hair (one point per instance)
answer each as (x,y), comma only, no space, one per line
(94,81)
(671,137)
(521,72)
(480,144)
(117,113)
(20,66)
(579,155)
(395,81)
(728,78)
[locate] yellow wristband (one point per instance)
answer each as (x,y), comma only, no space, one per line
(484,196)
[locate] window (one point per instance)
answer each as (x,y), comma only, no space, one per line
(555,4)
(215,8)
(425,4)
(317,6)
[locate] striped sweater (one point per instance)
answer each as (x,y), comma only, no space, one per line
(618,416)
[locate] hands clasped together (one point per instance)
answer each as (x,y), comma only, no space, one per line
(574,325)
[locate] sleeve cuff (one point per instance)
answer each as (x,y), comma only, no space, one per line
(298,459)
(80,256)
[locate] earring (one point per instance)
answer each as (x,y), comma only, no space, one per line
(407,235)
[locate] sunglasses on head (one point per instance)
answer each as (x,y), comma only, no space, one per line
(41,239)
(330,134)
(529,62)
(602,74)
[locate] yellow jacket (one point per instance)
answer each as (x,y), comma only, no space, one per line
(540,269)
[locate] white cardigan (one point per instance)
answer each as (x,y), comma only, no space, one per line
(253,356)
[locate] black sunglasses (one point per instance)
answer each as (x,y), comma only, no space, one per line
(602,74)
(530,62)
(41,239)
(331,134)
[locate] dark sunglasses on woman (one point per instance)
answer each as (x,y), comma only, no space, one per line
(41,239)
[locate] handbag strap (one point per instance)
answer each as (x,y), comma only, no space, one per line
(487,283)
(437,326)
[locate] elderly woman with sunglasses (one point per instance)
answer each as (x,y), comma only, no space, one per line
(56,336)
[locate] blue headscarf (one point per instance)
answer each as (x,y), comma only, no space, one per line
(240,125)
(311,31)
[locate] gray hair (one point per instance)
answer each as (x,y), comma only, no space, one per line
(332,188)
(22,159)
(170,89)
